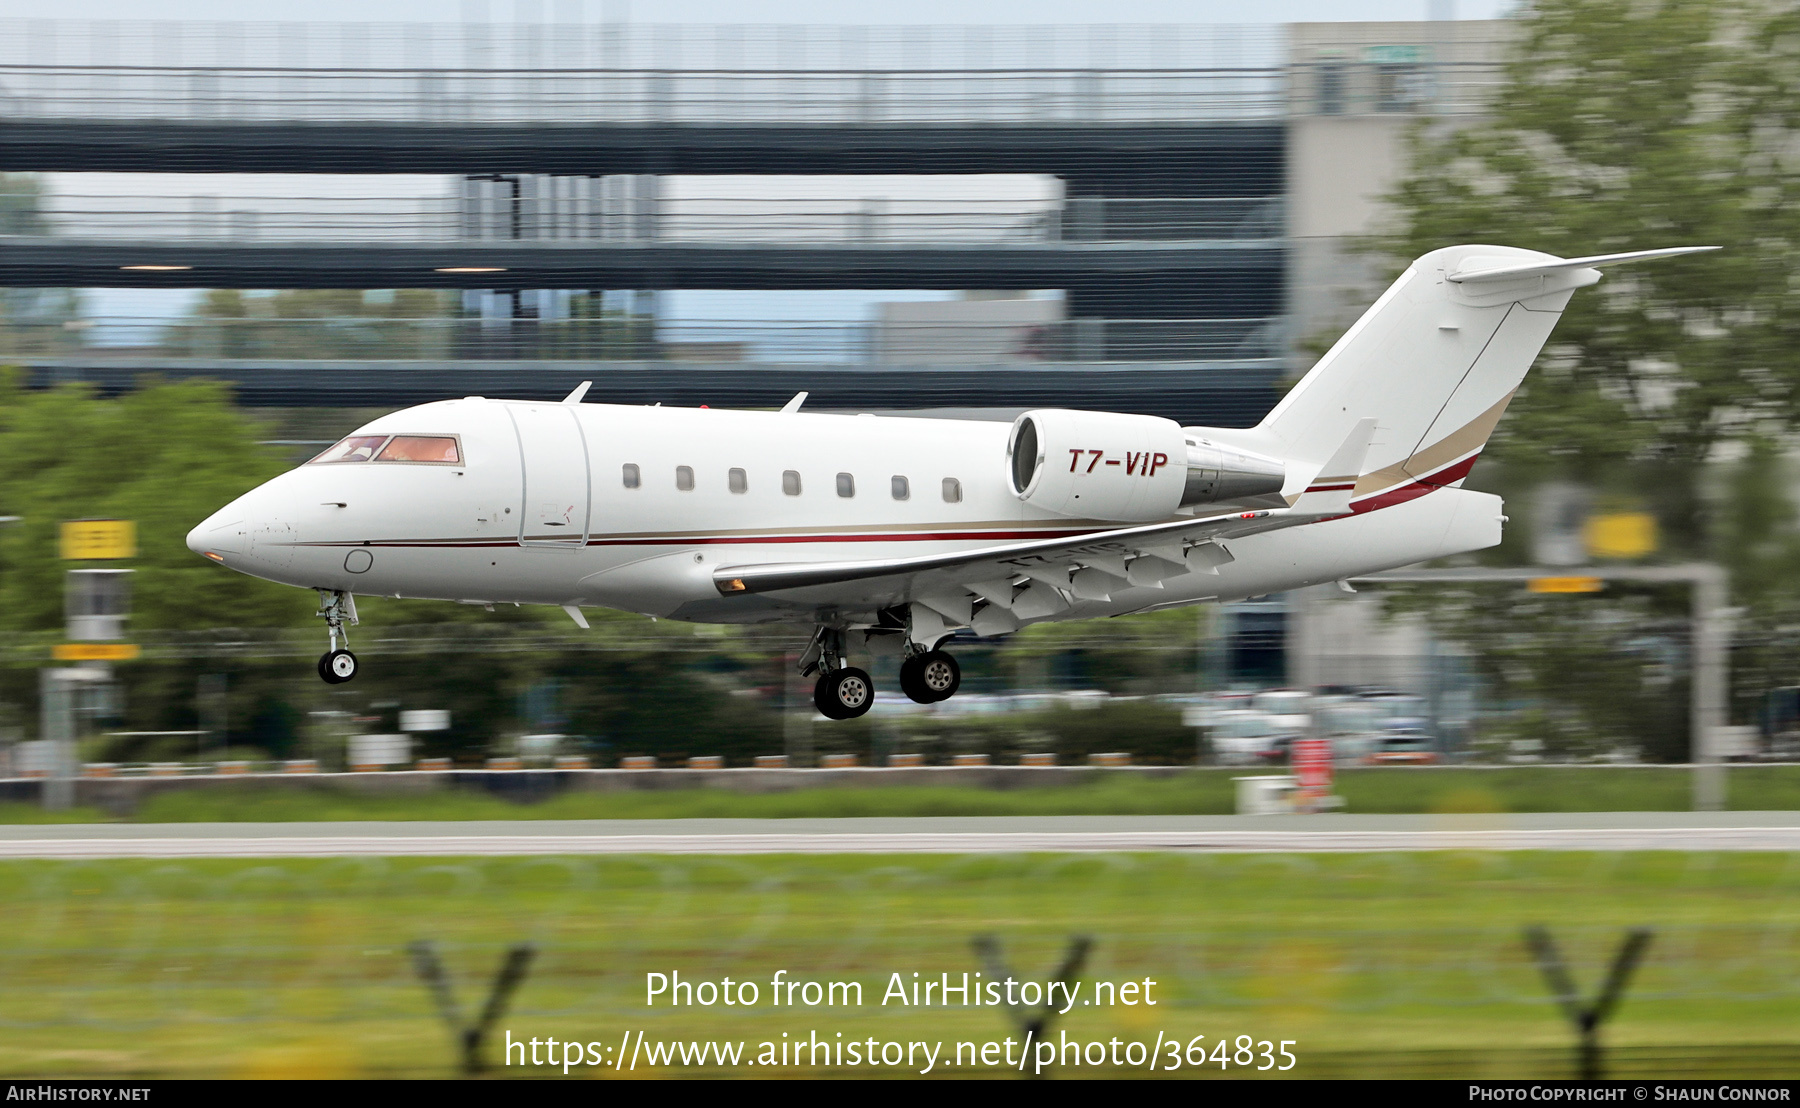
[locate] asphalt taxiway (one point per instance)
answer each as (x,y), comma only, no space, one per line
(1327,833)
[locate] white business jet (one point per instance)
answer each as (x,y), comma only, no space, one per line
(889,534)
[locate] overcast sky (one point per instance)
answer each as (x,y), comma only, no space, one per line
(775,11)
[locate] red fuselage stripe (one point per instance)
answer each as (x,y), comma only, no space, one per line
(1399,494)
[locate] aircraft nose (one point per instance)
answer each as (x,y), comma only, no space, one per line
(220,533)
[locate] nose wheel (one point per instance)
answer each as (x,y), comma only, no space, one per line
(337,666)
(930,677)
(844,693)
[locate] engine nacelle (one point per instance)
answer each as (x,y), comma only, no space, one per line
(1128,468)
(1098,465)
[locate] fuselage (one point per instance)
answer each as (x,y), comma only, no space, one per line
(634,507)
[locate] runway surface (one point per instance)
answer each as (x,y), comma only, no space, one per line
(1717,831)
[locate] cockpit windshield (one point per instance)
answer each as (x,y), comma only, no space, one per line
(420,448)
(428,449)
(356,448)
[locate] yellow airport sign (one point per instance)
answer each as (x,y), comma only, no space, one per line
(1565,584)
(1620,535)
(96,652)
(92,540)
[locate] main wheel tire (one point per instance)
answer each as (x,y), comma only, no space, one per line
(844,694)
(337,667)
(939,676)
(912,680)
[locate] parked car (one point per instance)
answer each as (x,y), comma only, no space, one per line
(1245,737)
(1404,746)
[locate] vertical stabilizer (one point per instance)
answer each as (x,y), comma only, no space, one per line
(1436,360)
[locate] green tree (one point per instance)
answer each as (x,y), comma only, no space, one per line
(165,455)
(1624,125)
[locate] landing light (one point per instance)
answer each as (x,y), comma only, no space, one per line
(215,557)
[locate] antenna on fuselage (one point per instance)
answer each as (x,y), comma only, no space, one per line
(580,391)
(793,405)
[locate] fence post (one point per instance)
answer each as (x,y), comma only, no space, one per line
(1034,1020)
(469,1036)
(1587,1017)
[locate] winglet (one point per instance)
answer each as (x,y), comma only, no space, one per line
(793,405)
(1329,493)
(580,391)
(1552,265)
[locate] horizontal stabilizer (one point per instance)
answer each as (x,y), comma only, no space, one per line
(1475,271)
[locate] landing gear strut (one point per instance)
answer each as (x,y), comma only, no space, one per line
(843,691)
(337,664)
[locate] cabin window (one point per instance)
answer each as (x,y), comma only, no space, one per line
(738,481)
(684,478)
(632,477)
(790,482)
(902,488)
(846,485)
(436,449)
(356,448)
(952,491)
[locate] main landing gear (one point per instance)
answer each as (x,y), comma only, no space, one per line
(843,691)
(337,665)
(929,677)
(846,692)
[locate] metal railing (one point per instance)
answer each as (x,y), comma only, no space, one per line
(562,97)
(626,338)
(593,209)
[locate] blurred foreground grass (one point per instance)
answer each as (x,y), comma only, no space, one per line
(1197,792)
(1376,964)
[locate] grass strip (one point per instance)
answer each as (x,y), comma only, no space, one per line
(1372,964)
(1197,792)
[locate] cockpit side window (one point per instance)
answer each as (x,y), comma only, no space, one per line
(356,448)
(439,449)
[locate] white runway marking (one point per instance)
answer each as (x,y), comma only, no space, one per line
(310,843)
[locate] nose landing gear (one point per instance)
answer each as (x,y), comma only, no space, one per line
(337,665)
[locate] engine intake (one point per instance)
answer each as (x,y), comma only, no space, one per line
(1128,468)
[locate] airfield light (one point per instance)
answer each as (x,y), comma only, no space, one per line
(470,269)
(155,268)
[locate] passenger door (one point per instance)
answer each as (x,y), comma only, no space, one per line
(554,458)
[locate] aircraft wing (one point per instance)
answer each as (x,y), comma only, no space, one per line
(1087,567)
